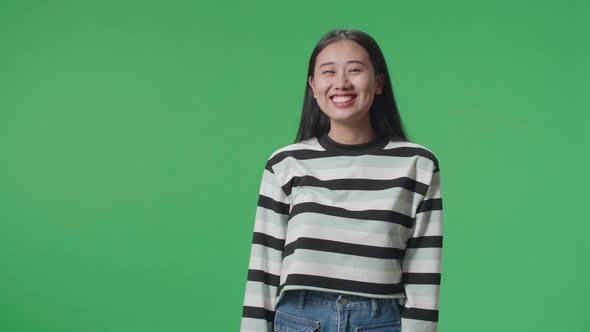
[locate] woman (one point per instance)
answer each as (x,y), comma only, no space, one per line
(348,228)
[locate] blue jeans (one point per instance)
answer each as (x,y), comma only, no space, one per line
(312,311)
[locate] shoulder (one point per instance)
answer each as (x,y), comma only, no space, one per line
(413,149)
(291,150)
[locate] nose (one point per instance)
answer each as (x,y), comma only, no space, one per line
(342,81)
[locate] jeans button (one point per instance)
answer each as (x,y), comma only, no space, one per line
(344,301)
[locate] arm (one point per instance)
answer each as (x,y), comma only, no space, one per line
(264,269)
(422,263)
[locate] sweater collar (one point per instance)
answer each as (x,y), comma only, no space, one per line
(362,148)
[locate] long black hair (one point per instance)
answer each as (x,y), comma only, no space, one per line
(385,118)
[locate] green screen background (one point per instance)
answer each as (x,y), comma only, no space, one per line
(133,135)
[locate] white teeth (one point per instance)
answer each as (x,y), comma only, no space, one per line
(342,99)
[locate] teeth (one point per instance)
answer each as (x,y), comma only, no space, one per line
(341,99)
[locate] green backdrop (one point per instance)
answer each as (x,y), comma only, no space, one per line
(133,135)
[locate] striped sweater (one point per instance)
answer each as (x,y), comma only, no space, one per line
(361,219)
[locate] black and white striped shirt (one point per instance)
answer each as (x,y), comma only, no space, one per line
(361,219)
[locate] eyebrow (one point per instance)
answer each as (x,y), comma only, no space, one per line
(351,61)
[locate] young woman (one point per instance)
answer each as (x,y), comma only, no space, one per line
(348,228)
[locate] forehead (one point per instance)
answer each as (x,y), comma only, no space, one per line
(342,51)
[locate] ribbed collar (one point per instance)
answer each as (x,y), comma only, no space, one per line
(352,149)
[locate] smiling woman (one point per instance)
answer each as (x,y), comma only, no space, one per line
(348,227)
(349,62)
(344,86)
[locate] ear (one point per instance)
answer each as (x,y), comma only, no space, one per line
(311,83)
(379,82)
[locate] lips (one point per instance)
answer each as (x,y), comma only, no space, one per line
(343,103)
(343,95)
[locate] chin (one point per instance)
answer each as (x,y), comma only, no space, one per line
(343,113)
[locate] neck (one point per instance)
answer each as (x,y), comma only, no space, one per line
(352,134)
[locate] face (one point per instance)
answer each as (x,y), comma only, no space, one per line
(344,81)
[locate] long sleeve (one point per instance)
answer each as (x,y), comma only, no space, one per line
(422,262)
(264,269)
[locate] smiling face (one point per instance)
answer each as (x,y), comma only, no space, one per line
(344,82)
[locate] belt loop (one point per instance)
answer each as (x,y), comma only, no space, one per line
(374,305)
(398,302)
(301,298)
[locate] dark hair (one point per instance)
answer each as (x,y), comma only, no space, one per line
(385,118)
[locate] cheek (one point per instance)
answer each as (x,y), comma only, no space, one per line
(321,87)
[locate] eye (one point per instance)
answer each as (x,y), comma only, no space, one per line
(330,71)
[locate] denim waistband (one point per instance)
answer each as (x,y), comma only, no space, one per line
(339,300)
